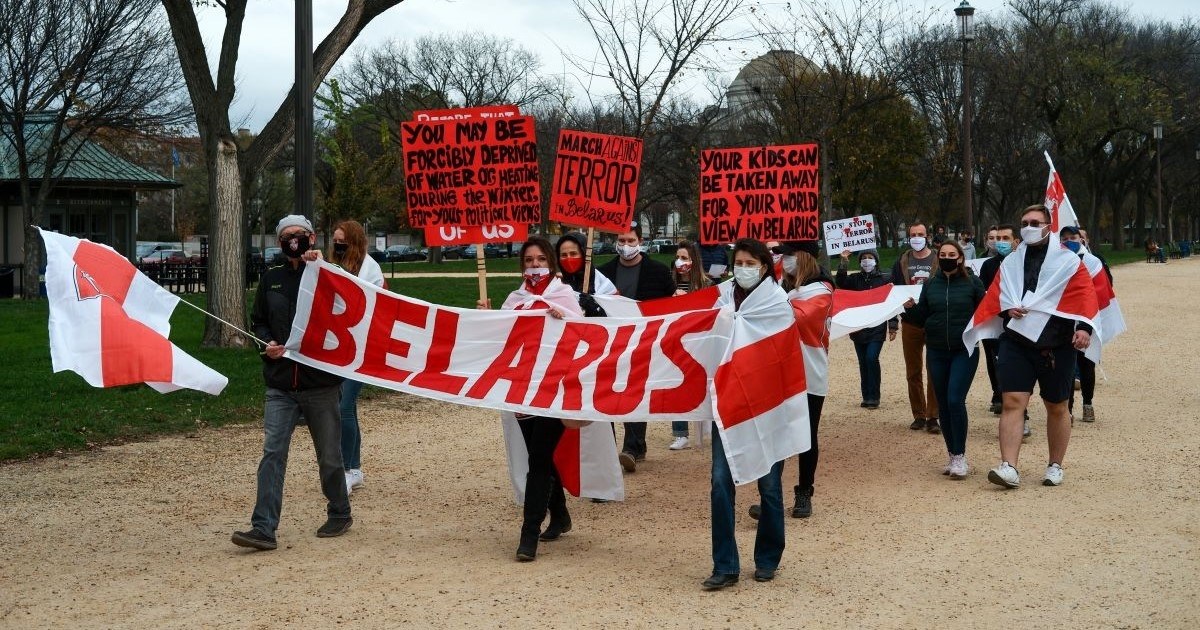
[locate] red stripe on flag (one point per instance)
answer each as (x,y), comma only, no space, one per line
(101,271)
(1079,296)
(759,377)
(566,460)
(1104,291)
(843,300)
(694,301)
(130,351)
(989,307)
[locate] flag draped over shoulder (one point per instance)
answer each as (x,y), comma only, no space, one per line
(1064,289)
(1110,318)
(586,460)
(109,323)
(856,310)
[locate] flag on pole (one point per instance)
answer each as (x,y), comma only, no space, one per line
(109,323)
(175,157)
(1062,213)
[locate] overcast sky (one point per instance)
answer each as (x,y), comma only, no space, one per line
(265,64)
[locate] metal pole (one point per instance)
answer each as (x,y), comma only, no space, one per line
(1158,219)
(172,196)
(968,163)
(304,109)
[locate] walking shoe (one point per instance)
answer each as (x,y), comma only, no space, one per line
(354,479)
(764,575)
(556,528)
(995,408)
(718,581)
(932,426)
(949,463)
(1089,413)
(871,404)
(679,444)
(862,404)
(755,511)
(803,506)
(334,527)
(917,424)
(527,548)
(628,463)
(1004,475)
(1077,385)
(1054,475)
(254,539)
(958,467)
(1025,432)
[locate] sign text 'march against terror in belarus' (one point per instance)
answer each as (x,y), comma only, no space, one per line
(595,180)
(479,171)
(766,193)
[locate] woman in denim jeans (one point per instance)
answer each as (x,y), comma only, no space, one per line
(688,276)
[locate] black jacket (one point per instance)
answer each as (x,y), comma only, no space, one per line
(945,307)
(654,279)
(861,282)
(271,317)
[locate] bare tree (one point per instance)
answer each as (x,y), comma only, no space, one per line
(231,168)
(76,67)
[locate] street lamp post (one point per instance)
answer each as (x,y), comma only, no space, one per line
(1196,207)
(966,33)
(1158,130)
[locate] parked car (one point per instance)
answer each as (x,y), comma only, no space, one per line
(454,252)
(254,255)
(490,250)
(662,245)
(166,257)
(273,255)
(403,253)
(602,247)
(379,255)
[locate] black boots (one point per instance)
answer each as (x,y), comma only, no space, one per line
(527,549)
(803,507)
(560,523)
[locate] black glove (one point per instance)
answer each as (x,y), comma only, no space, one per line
(591,308)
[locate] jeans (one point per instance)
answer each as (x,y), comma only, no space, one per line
(869,373)
(351,437)
(921,397)
(282,411)
(951,372)
(768,545)
(679,428)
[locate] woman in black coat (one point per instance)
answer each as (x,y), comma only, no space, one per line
(868,343)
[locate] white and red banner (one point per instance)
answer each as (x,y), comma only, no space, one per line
(109,323)
(856,310)
(608,369)
(1062,213)
(586,460)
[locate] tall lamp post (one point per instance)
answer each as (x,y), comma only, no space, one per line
(1196,210)
(966,33)
(1158,129)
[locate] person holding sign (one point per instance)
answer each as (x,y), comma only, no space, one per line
(914,267)
(570,249)
(638,277)
(947,303)
(541,289)
(688,276)
(868,343)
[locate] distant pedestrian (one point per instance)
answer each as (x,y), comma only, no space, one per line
(688,277)
(868,342)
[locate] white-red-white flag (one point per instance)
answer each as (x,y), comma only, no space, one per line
(586,460)
(856,310)
(1110,318)
(620,306)
(1062,213)
(109,323)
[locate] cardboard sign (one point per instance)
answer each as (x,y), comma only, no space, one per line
(471,172)
(499,233)
(466,113)
(854,234)
(767,193)
(595,180)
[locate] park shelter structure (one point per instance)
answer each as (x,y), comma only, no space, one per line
(94,195)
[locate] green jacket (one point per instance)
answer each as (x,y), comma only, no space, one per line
(945,308)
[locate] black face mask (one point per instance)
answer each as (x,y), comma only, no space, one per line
(295,246)
(341,248)
(948,265)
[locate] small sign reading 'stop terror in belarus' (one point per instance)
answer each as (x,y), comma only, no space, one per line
(766,193)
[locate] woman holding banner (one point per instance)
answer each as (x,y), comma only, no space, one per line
(868,342)
(541,289)
(349,251)
(689,277)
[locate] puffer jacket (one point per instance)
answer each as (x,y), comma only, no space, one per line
(945,307)
(271,317)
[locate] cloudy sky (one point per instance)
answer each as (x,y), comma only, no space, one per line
(547,27)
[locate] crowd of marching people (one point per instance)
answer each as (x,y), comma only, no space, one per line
(959,298)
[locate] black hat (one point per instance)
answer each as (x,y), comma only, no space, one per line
(1068,229)
(811,247)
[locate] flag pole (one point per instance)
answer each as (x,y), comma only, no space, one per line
(481,268)
(264,344)
(587,259)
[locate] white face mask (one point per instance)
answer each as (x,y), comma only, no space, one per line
(789,264)
(682,265)
(747,277)
(628,252)
(867,264)
(917,243)
(1032,235)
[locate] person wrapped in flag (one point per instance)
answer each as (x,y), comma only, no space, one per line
(868,343)
(1075,239)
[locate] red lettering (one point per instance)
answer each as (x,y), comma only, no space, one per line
(522,346)
(607,399)
(690,393)
(437,358)
(322,320)
(390,309)
(563,371)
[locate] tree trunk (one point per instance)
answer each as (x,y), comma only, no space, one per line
(226,297)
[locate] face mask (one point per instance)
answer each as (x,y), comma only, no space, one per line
(683,266)
(1004,248)
(295,246)
(1032,235)
(948,265)
(628,252)
(867,264)
(747,277)
(917,243)
(789,264)
(341,248)
(1073,246)
(536,277)
(570,265)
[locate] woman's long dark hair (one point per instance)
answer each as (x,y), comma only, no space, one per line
(575,280)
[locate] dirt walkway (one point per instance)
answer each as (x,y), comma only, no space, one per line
(138,535)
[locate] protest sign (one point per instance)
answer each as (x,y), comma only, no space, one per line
(498,233)
(767,193)
(595,180)
(466,113)
(471,172)
(854,234)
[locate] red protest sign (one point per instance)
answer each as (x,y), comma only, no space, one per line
(499,233)
(766,193)
(466,113)
(595,180)
(471,172)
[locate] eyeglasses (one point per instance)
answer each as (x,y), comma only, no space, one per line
(1034,223)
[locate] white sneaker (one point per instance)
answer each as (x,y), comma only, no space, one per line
(679,444)
(1004,475)
(958,466)
(1054,475)
(354,479)
(949,465)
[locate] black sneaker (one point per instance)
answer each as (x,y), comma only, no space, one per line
(917,424)
(755,511)
(995,408)
(932,426)
(803,507)
(764,575)
(335,527)
(254,539)
(718,581)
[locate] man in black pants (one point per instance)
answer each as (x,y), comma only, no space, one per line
(640,278)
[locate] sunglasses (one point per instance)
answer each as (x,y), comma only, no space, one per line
(1034,223)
